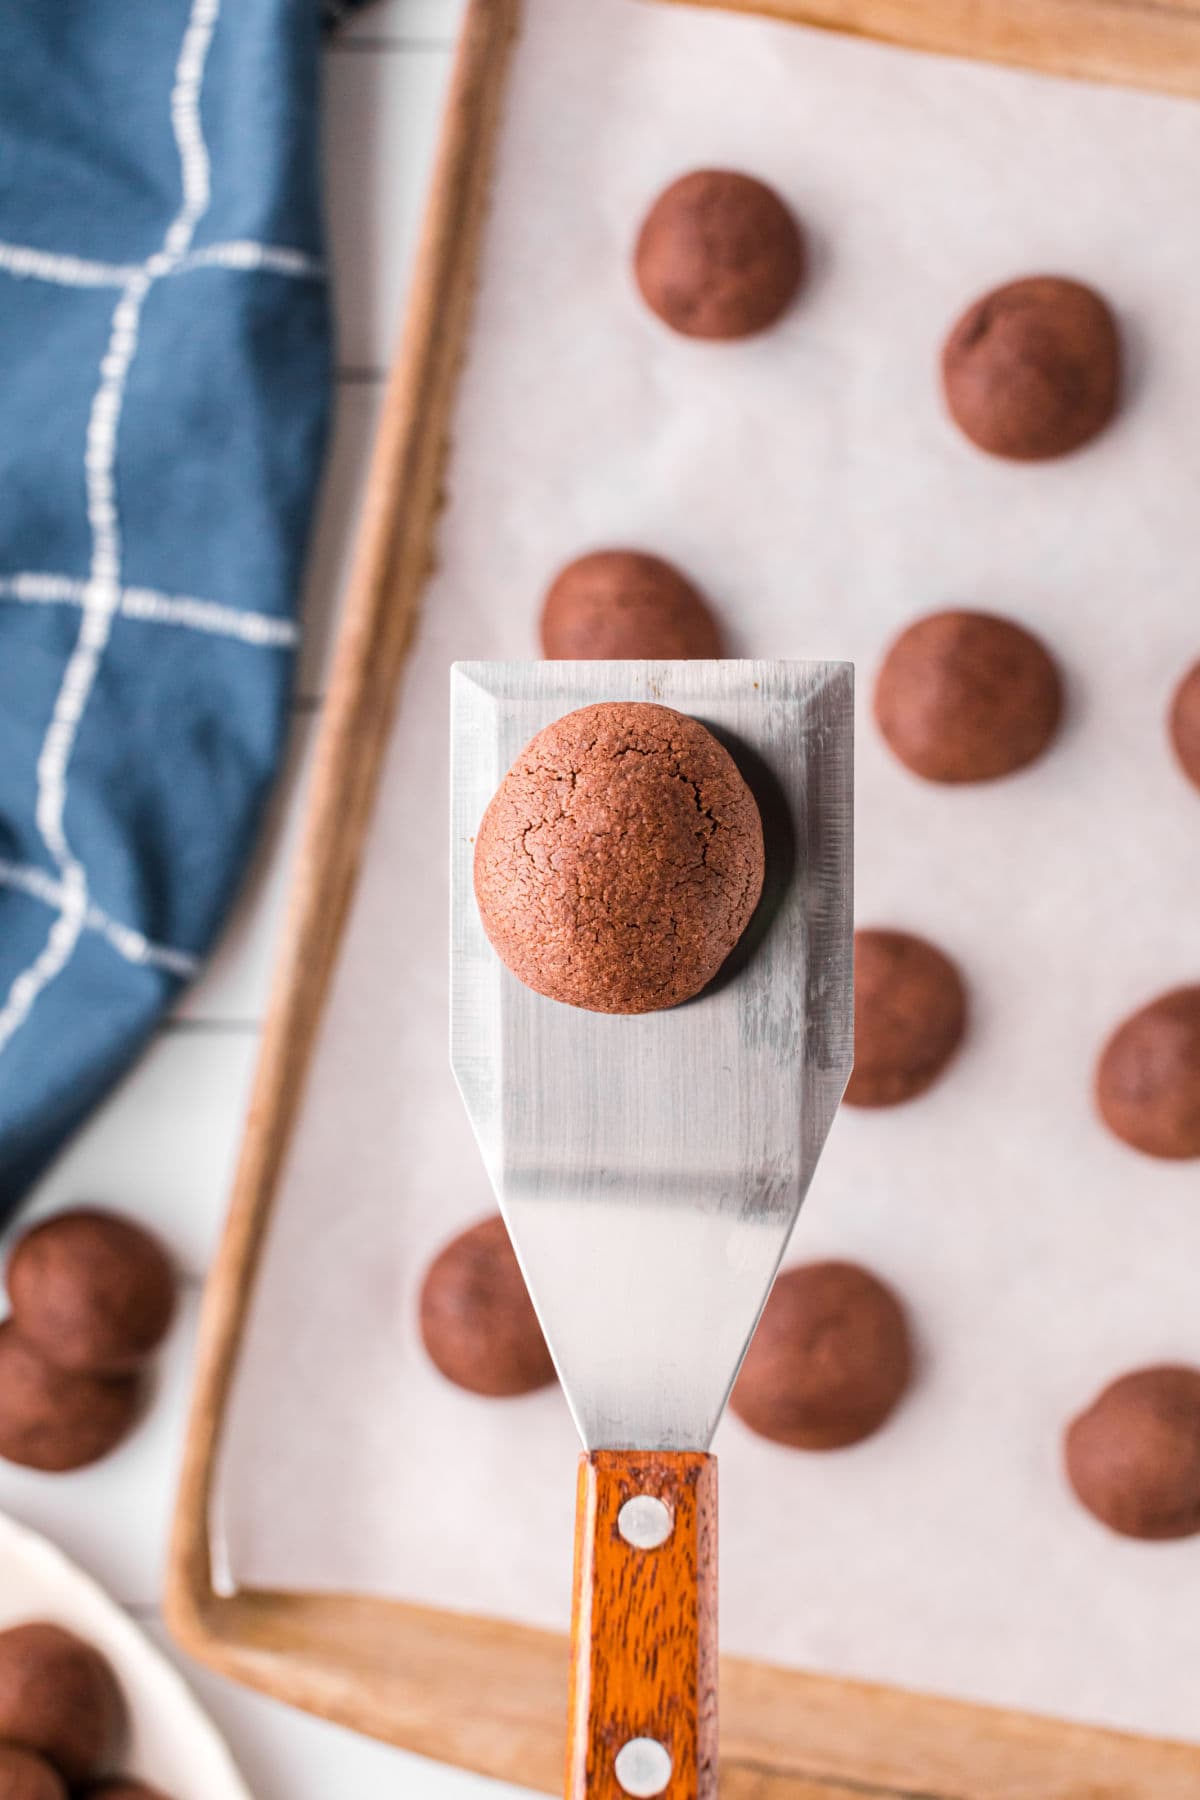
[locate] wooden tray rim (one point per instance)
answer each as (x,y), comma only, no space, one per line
(1127,43)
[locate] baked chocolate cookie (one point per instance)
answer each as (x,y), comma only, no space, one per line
(53,1420)
(910,1011)
(623,605)
(477,1320)
(24,1776)
(966,696)
(1032,370)
(829,1361)
(1185,724)
(1148,1080)
(91,1292)
(719,255)
(58,1698)
(1133,1458)
(620,860)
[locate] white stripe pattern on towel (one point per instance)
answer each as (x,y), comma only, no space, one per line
(247,256)
(210,616)
(244,254)
(65,271)
(103,592)
(133,945)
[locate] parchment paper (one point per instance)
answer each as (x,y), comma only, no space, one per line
(809,481)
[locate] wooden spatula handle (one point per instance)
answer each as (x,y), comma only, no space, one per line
(644,1631)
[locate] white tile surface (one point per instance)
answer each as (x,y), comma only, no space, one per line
(404,22)
(162,1149)
(234,988)
(381,118)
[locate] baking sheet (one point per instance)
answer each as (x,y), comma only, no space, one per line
(809,482)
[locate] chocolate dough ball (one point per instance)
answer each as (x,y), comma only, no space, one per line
(55,1421)
(719,255)
(59,1698)
(624,605)
(91,1292)
(967,696)
(620,860)
(1148,1081)
(123,1787)
(24,1776)
(477,1319)
(910,1011)
(1185,724)
(1031,370)
(1133,1458)
(829,1361)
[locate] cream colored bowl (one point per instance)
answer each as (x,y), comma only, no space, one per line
(171,1742)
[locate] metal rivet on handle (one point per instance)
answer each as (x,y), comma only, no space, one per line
(643,1767)
(645,1522)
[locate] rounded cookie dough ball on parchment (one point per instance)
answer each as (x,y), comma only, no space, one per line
(910,1010)
(625,605)
(967,696)
(719,255)
(477,1320)
(620,859)
(829,1361)
(1032,369)
(1133,1458)
(1148,1078)
(1184,724)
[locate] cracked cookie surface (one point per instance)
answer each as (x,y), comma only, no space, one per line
(620,859)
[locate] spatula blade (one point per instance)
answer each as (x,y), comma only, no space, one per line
(650,1168)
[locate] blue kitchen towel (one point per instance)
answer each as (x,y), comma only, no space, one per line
(164,388)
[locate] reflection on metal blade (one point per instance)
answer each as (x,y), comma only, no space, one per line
(650,1168)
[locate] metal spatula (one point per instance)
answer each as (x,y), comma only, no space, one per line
(650,1170)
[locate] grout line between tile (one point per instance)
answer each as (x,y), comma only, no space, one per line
(355,46)
(177,1027)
